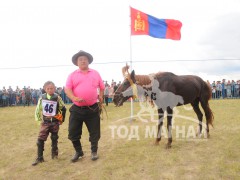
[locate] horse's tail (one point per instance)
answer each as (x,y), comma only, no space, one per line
(206,95)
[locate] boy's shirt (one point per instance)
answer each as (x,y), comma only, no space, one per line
(38,111)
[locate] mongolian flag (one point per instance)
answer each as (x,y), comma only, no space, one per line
(144,24)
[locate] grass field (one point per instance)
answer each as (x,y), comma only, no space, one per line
(123,157)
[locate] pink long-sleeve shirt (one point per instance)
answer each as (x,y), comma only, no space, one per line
(85,86)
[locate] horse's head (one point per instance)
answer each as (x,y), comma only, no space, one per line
(125,90)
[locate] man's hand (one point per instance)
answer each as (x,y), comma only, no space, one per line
(77,99)
(100,99)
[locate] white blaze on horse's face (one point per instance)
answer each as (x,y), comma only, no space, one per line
(125,85)
(128,92)
(119,98)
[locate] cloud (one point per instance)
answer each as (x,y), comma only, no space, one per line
(218,45)
(222,40)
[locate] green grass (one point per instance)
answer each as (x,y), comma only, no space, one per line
(124,158)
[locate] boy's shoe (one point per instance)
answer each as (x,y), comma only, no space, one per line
(94,156)
(77,156)
(38,160)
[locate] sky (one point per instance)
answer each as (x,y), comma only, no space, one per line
(39,38)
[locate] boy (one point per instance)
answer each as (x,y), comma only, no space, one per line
(50,111)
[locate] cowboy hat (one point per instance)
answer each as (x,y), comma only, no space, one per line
(82,53)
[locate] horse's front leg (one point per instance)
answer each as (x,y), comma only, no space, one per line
(207,129)
(160,124)
(169,127)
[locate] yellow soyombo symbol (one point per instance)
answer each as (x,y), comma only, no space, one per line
(139,24)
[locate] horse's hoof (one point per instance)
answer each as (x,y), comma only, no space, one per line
(156,143)
(208,135)
(200,135)
(168,146)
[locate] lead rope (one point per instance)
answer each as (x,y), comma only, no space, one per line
(101,108)
(134,88)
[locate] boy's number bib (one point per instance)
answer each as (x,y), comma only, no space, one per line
(49,107)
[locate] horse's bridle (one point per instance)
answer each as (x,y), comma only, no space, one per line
(134,87)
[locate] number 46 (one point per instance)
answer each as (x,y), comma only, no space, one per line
(49,108)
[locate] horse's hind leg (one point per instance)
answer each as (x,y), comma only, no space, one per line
(208,115)
(197,110)
(169,126)
(160,124)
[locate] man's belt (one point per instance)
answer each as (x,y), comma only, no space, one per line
(86,107)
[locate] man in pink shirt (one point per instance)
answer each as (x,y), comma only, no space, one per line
(81,87)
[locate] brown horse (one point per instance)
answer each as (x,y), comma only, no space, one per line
(167,90)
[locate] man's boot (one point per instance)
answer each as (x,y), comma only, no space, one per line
(94,148)
(54,149)
(39,159)
(79,153)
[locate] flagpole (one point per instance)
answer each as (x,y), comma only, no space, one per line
(130,53)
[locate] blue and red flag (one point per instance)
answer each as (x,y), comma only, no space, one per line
(144,24)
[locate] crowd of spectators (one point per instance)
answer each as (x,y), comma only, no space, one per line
(110,89)
(225,89)
(25,96)
(28,96)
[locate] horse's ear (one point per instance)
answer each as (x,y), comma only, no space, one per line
(133,76)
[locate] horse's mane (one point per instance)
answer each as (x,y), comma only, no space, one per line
(160,74)
(147,79)
(143,79)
